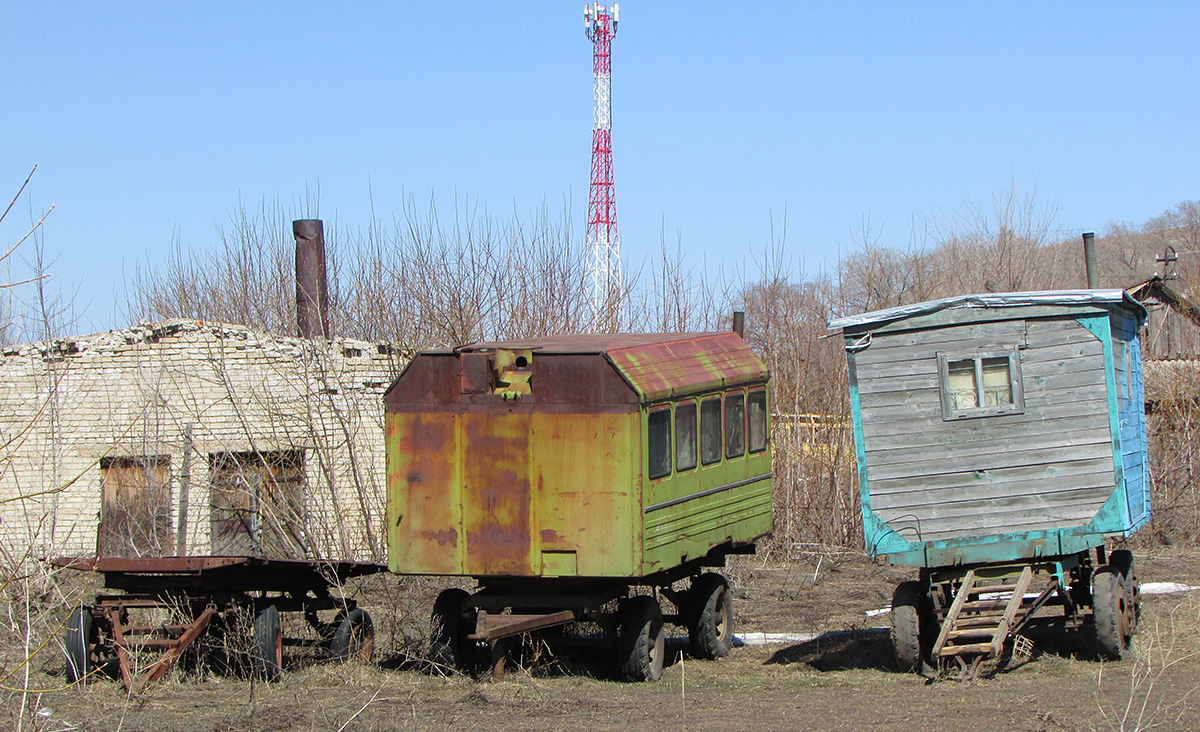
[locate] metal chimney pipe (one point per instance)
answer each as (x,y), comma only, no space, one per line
(1089,260)
(739,323)
(312,299)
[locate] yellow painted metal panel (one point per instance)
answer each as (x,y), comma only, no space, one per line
(497,494)
(424,508)
(587,489)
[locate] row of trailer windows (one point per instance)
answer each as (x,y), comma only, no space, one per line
(729,425)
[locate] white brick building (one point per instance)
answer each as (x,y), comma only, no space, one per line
(188,437)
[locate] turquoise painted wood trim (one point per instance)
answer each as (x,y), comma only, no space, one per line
(1113,516)
(998,548)
(877,536)
(1133,420)
(1143,431)
(1101,326)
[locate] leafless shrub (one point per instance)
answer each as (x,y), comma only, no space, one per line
(1145,697)
(1173,391)
(425,280)
(27,589)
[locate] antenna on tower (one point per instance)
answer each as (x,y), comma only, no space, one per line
(603,241)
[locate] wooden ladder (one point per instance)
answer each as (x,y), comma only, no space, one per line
(979,621)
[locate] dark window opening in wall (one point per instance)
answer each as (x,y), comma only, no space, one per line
(658,427)
(258,504)
(135,507)
(685,436)
(735,425)
(710,431)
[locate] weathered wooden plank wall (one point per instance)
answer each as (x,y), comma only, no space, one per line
(1049,467)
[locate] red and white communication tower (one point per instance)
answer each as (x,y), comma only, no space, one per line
(603,241)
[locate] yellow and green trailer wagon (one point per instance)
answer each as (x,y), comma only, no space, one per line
(562,473)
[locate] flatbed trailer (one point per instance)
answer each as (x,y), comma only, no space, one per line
(165,605)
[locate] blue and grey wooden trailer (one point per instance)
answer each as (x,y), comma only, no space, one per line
(1000,440)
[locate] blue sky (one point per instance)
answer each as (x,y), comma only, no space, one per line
(151,120)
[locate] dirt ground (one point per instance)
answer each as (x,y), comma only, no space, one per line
(839,682)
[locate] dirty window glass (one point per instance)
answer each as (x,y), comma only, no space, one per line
(735,425)
(757,404)
(962,384)
(660,443)
(710,431)
(685,436)
(997,384)
(982,384)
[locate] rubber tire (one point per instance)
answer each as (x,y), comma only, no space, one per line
(266,658)
(710,621)
(450,624)
(354,637)
(641,639)
(1109,594)
(1122,560)
(77,644)
(912,615)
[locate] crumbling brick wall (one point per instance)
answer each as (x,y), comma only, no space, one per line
(75,410)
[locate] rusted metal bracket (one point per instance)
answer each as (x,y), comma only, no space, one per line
(174,646)
(498,631)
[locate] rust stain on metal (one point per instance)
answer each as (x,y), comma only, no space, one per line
(497,540)
(691,364)
(549,461)
(496,492)
(446,537)
(423,456)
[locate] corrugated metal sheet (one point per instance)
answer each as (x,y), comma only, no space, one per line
(990,300)
(662,370)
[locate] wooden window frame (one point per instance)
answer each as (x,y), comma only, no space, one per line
(1011,353)
(262,477)
(115,540)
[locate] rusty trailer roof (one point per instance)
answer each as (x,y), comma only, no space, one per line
(597,343)
(656,365)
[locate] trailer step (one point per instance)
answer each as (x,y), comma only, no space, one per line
(974,629)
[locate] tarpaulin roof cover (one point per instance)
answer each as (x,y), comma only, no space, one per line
(990,300)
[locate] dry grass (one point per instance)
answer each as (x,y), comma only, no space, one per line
(1158,687)
(843,682)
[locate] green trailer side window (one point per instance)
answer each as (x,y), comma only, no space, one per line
(685,436)
(735,425)
(757,404)
(710,431)
(659,429)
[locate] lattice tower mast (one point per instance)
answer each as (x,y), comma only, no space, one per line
(603,241)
